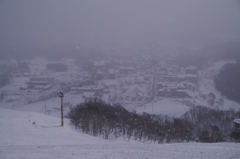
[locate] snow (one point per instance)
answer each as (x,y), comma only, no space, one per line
(20,138)
(165,106)
(237,121)
(15,84)
(18,99)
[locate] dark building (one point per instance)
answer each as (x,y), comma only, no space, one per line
(40,83)
(191,70)
(172,92)
(126,70)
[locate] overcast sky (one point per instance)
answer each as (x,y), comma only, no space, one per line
(107,22)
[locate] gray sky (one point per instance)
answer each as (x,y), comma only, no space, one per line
(117,22)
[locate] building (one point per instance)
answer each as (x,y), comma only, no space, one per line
(87,89)
(111,74)
(191,70)
(126,70)
(191,79)
(172,92)
(39,83)
(162,71)
(48,80)
(237,123)
(99,75)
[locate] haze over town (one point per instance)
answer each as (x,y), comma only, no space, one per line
(190,24)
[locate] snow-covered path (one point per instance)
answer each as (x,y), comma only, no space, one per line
(128,150)
(20,139)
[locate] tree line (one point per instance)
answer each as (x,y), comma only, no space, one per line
(57,67)
(201,124)
(4,79)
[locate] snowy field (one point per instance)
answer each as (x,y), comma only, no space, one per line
(21,139)
(164,106)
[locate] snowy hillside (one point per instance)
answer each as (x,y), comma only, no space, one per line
(20,138)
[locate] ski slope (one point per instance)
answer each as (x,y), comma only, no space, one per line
(21,139)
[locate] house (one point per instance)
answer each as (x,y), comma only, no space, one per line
(87,89)
(237,123)
(126,70)
(171,71)
(47,87)
(139,81)
(190,86)
(169,78)
(124,98)
(26,74)
(99,75)
(172,92)
(106,89)
(24,87)
(162,71)
(112,98)
(191,70)
(48,80)
(88,95)
(191,78)
(99,65)
(111,74)
(89,83)
(40,83)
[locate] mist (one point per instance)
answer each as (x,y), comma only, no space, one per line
(131,71)
(190,24)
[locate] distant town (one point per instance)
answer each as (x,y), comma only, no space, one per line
(134,82)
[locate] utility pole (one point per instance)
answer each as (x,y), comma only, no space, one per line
(152,106)
(61,95)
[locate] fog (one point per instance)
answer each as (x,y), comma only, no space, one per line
(112,23)
(163,64)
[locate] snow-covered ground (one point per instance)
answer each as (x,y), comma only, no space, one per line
(46,139)
(50,107)
(166,106)
(206,86)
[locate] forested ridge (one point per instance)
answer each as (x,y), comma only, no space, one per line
(4,79)
(198,124)
(228,81)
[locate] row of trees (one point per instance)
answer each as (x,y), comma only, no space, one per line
(211,125)
(57,67)
(199,124)
(23,67)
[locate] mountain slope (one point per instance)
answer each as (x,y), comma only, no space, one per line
(47,139)
(17,128)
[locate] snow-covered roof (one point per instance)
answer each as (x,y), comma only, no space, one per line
(236,121)
(88,94)
(187,75)
(38,87)
(127,68)
(38,82)
(47,86)
(87,88)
